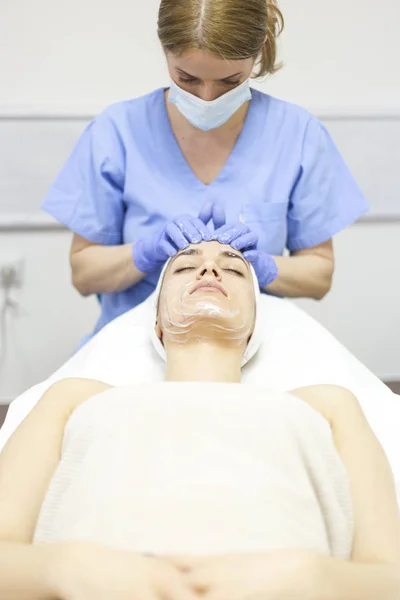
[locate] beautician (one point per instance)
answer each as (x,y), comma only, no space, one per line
(147,174)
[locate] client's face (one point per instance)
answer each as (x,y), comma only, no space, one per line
(207,292)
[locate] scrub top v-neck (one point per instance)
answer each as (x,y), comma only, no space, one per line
(231,171)
(127,176)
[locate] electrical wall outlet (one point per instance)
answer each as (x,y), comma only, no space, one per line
(12,273)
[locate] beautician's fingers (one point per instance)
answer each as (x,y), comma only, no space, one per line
(167,248)
(180,233)
(252,256)
(228,233)
(174,234)
(201,228)
(212,211)
(192,228)
(188,229)
(206,212)
(218,216)
(248,240)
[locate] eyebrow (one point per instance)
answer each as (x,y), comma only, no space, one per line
(194,77)
(197,252)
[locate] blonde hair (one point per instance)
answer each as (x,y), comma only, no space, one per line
(231,29)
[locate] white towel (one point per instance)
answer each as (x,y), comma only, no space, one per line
(199,468)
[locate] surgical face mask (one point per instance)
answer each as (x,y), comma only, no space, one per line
(206,115)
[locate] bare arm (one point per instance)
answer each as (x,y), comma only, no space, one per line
(98,269)
(374,570)
(305,274)
(27,464)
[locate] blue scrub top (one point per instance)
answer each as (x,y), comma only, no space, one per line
(127,176)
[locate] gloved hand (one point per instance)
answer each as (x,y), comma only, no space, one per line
(213,211)
(264,266)
(243,239)
(152,252)
(239,236)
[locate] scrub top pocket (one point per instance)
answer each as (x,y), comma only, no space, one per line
(269,221)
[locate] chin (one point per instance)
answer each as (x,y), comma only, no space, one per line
(204,294)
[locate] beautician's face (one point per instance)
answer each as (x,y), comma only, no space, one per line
(209,283)
(206,75)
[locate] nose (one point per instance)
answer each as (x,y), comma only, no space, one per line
(209,268)
(209,93)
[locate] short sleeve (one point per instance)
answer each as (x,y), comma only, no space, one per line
(87,196)
(326,198)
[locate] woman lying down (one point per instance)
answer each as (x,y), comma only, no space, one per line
(198,487)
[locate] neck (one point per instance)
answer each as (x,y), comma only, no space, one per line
(205,361)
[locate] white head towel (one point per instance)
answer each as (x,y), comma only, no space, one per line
(256,338)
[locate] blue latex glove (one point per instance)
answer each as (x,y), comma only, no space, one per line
(151,253)
(213,211)
(264,266)
(240,237)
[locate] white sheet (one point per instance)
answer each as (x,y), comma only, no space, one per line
(296,351)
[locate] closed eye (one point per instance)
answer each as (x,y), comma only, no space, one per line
(234,271)
(191,80)
(188,80)
(184,269)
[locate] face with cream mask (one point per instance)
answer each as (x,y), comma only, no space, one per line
(207,90)
(207,295)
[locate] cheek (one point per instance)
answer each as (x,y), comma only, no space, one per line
(245,299)
(174,291)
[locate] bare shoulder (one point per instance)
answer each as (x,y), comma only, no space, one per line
(329,400)
(65,395)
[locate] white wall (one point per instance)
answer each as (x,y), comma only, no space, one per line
(71,59)
(341,55)
(79,54)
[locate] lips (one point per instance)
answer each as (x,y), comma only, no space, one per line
(212,285)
